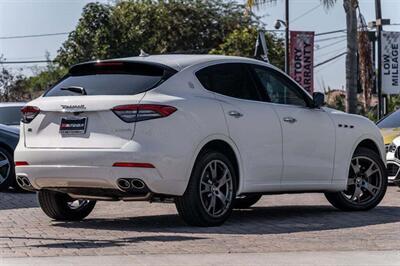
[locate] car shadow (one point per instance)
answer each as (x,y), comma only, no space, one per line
(12,199)
(95,243)
(257,220)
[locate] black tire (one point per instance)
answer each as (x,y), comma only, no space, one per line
(7,171)
(191,207)
(340,201)
(246,201)
(55,205)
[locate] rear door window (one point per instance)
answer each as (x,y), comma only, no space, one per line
(111,79)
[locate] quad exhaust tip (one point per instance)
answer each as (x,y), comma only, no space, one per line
(137,184)
(24,183)
(127,184)
(124,184)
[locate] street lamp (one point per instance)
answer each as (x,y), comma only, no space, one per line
(278,24)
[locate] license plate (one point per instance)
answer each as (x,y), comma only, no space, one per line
(73,126)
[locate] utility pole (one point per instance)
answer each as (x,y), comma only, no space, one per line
(287,61)
(378,16)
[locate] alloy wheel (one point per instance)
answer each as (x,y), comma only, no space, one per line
(77,204)
(5,167)
(216,188)
(364,182)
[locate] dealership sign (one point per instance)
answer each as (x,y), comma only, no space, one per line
(390,62)
(302,58)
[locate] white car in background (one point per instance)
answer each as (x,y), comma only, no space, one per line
(393,161)
(10,113)
(209,133)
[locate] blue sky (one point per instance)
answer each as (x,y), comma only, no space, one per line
(26,17)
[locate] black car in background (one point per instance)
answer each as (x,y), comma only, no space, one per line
(10,113)
(9,137)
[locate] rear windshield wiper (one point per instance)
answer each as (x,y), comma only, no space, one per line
(75,89)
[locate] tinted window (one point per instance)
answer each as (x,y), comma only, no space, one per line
(110,79)
(391,121)
(279,89)
(229,79)
(10,115)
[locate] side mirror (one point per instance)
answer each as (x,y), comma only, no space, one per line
(318,99)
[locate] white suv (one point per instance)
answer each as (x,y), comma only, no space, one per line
(209,133)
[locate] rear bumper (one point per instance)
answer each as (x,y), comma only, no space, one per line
(47,176)
(93,169)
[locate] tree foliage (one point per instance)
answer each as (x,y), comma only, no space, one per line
(241,42)
(121,30)
(11,85)
(15,87)
(44,79)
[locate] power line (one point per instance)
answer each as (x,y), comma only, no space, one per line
(329,45)
(38,57)
(25,62)
(305,13)
(326,65)
(330,59)
(320,68)
(331,52)
(331,38)
(330,32)
(33,35)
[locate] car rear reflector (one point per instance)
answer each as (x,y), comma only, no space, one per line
(104,64)
(21,163)
(29,113)
(134,165)
(141,112)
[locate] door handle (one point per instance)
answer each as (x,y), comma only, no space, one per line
(290,120)
(235,114)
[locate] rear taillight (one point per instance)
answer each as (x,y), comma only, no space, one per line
(29,113)
(141,112)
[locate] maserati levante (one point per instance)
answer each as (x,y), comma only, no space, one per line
(208,133)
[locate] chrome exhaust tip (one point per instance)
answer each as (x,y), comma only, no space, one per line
(24,183)
(124,184)
(137,184)
(20,181)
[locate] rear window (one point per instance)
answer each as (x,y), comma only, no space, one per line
(110,78)
(10,116)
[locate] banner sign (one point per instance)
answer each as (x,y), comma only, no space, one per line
(390,62)
(302,58)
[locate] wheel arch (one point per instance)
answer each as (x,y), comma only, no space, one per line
(7,147)
(226,146)
(369,144)
(345,149)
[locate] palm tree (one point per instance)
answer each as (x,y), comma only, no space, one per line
(350,7)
